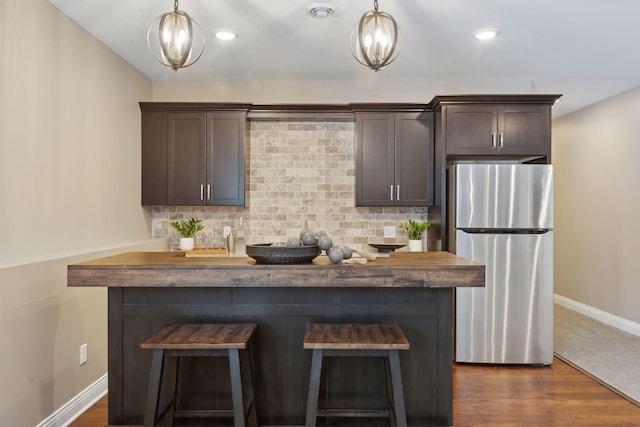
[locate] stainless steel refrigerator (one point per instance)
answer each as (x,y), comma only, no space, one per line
(501,215)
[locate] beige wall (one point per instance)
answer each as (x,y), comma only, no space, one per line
(597,205)
(43,323)
(319,92)
(70,129)
(69,186)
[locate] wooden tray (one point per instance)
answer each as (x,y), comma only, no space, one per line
(204,252)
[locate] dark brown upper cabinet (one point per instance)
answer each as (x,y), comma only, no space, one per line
(394,159)
(494,126)
(512,130)
(193,158)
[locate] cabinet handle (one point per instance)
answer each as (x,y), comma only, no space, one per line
(397,192)
(493,140)
(391,192)
(501,140)
(201,192)
(208,191)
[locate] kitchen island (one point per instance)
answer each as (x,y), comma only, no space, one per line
(148,290)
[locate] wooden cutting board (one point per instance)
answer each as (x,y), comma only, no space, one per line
(204,252)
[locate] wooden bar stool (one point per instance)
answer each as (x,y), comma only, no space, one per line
(357,340)
(201,340)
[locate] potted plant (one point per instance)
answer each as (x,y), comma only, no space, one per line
(414,230)
(187,230)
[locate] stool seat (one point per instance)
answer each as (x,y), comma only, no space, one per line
(357,340)
(355,336)
(223,336)
(172,342)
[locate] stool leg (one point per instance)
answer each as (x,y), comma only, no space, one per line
(314,388)
(153,390)
(236,388)
(388,383)
(398,394)
(173,367)
(250,401)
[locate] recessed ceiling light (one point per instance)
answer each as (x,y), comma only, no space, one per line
(320,10)
(486,33)
(226,34)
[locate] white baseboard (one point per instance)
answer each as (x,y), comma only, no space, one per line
(599,315)
(76,406)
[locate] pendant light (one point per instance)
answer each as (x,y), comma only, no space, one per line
(376,39)
(173,41)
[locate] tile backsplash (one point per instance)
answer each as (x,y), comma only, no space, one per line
(297,171)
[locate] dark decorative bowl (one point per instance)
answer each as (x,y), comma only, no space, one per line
(385,248)
(264,253)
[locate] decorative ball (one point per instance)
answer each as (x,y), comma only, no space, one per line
(335,255)
(294,242)
(347,252)
(325,243)
(308,238)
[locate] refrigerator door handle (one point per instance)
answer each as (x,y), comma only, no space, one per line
(505,231)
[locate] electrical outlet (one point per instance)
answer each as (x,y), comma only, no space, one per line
(226,230)
(83,354)
(389,231)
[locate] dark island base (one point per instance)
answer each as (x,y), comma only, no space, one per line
(281,365)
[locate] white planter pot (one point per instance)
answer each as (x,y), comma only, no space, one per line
(187,243)
(415,245)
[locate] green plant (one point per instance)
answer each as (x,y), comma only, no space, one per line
(414,228)
(189,227)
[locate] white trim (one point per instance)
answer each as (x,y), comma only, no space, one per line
(599,315)
(79,404)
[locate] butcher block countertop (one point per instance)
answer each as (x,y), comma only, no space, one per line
(172,269)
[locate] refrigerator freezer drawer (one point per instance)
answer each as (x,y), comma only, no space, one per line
(511,319)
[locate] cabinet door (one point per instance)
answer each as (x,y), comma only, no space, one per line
(225,158)
(375,159)
(414,151)
(186,158)
(471,129)
(524,130)
(154,158)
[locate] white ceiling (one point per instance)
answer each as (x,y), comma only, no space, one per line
(586,50)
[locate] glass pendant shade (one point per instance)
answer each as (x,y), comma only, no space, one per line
(376,39)
(175,40)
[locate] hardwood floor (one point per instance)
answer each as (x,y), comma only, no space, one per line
(558,395)
(96,416)
(493,396)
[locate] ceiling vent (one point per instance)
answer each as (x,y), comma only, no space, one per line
(320,10)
